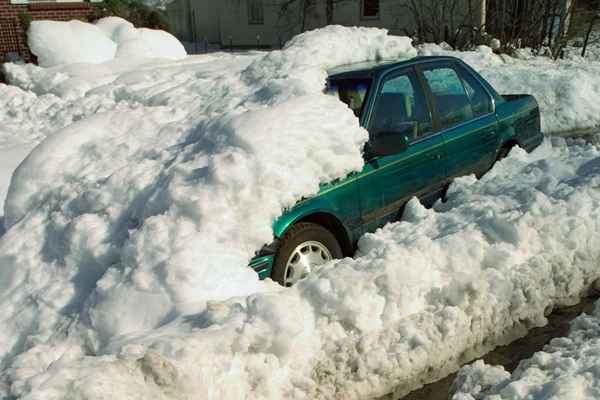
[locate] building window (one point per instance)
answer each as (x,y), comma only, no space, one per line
(256,12)
(369,9)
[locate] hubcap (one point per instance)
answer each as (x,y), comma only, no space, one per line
(303,260)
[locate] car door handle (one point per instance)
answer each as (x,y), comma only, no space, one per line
(437,157)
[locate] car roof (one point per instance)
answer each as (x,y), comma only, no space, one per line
(371,68)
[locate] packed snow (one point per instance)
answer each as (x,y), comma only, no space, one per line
(567,369)
(59,42)
(123,268)
(575,47)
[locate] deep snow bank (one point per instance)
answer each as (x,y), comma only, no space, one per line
(127,227)
(567,369)
(56,42)
(49,99)
(566,89)
(10,157)
(422,296)
(137,216)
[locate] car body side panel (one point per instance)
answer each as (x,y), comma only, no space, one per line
(472,147)
(338,199)
(387,183)
(519,121)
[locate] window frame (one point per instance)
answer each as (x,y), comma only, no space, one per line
(364,17)
(419,86)
(249,6)
(368,81)
(464,75)
(459,69)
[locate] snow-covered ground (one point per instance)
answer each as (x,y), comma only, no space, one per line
(567,369)
(592,53)
(10,157)
(123,268)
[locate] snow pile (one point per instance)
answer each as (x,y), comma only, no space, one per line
(568,368)
(423,295)
(567,90)
(162,202)
(48,100)
(123,271)
(575,47)
(58,43)
(10,157)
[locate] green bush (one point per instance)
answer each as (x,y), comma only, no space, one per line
(25,20)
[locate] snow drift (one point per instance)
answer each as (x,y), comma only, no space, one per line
(422,296)
(57,43)
(123,271)
(164,203)
(566,369)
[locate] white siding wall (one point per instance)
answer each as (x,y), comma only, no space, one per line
(226,21)
(236,28)
(391,16)
(195,19)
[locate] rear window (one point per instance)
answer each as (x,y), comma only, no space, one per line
(353,92)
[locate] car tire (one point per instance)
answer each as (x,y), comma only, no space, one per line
(305,242)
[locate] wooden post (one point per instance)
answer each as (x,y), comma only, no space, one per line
(587,35)
(483,16)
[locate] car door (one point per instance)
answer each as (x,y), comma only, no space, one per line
(388,182)
(465,116)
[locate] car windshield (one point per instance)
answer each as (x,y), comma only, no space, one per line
(351,91)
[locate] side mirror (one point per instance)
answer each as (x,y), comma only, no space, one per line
(387,143)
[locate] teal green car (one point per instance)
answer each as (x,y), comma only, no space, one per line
(430,119)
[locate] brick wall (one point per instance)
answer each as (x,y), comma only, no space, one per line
(12,35)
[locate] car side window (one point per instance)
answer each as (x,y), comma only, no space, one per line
(451,98)
(401,107)
(480,100)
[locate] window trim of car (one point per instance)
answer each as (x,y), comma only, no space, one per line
(457,66)
(486,86)
(446,130)
(393,74)
(417,66)
(462,71)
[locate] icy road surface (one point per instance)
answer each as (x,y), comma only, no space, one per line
(508,356)
(122,271)
(566,369)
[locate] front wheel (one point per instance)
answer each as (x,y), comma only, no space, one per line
(303,247)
